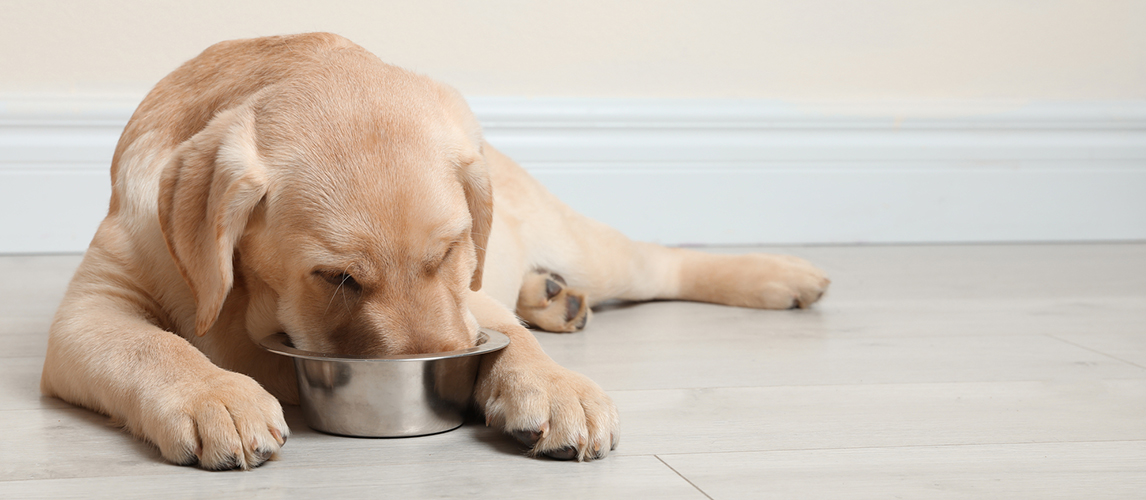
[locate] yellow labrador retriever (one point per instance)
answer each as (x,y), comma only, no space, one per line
(299,184)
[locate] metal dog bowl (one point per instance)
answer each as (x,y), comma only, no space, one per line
(397,396)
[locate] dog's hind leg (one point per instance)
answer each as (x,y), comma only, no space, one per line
(599,263)
(608,265)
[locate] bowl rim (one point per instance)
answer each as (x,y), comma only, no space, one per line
(488,341)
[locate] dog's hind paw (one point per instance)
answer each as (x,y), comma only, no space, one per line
(548,303)
(758,280)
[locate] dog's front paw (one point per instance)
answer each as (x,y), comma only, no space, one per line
(556,412)
(225,421)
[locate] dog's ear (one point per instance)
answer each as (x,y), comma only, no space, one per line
(479,197)
(206,195)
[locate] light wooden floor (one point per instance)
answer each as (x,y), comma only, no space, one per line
(927,372)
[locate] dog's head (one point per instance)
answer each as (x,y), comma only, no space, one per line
(354,206)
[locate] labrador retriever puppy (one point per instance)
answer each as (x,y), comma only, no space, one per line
(298,184)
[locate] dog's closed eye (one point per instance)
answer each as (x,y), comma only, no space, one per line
(339,279)
(431,266)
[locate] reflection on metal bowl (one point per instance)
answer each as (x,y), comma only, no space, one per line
(398,396)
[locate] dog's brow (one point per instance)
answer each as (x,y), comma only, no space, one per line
(444,246)
(453,230)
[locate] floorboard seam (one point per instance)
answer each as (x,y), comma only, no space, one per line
(1131,363)
(706,495)
(869,384)
(903,446)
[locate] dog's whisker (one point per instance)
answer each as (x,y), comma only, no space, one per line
(345,276)
(324,311)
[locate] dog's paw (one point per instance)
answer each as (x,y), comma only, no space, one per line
(554,411)
(761,281)
(228,421)
(785,282)
(546,302)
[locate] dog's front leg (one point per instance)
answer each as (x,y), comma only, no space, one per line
(555,411)
(103,354)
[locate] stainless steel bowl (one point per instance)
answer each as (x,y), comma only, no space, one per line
(398,396)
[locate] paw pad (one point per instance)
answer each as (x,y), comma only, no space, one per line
(548,303)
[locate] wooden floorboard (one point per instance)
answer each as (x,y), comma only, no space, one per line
(958,371)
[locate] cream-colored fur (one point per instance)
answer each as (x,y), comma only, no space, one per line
(299,184)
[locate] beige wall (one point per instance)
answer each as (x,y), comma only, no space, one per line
(774,49)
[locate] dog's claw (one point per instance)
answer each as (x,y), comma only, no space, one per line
(278,435)
(231,462)
(261,456)
(191,457)
(566,453)
(528,438)
(581,324)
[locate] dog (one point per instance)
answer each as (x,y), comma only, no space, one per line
(298,184)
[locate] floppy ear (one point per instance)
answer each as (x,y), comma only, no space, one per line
(479,197)
(206,195)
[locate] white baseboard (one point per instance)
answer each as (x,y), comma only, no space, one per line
(707,172)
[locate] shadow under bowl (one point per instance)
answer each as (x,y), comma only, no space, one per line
(397,396)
